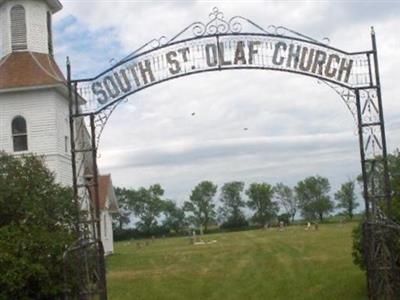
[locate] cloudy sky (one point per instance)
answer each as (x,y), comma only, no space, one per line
(297,127)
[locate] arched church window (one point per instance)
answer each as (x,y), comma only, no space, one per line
(49,33)
(19,134)
(18,28)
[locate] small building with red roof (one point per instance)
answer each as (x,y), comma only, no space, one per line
(108,205)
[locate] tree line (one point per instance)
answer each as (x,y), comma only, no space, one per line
(38,218)
(311,197)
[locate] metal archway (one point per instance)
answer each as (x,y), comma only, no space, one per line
(239,43)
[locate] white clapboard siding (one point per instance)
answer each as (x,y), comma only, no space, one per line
(42,110)
(106,232)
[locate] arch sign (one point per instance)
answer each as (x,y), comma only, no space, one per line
(234,44)
(221,53)
(222,45)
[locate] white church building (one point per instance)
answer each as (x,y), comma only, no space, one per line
(34,111)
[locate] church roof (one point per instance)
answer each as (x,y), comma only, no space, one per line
(28,69)
(106,191)
(55,5)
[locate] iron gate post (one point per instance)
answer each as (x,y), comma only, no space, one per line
(362,153)
(72,141)
(84,191)
(379,232)
(101,260)
(387,187)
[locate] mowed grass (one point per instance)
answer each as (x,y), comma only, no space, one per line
(257,264)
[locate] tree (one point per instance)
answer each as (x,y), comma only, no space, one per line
(123,216)
(394,173)
(174,216)
(313,198)
(285,218)
(37,218)
(347,198)
(232,203)
(285,197)
(260,199)
(394,177)
(201,205)
(146,205)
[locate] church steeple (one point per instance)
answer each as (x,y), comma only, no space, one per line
(26,58)
(26,25)
(34,106)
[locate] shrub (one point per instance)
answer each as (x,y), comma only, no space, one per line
(358,257)
(235,223)
(36,226)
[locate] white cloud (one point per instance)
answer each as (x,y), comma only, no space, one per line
(296,127)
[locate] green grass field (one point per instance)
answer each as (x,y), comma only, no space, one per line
(258,264)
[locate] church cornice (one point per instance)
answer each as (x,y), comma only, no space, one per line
(55,5)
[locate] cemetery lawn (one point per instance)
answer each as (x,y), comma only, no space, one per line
(257,264)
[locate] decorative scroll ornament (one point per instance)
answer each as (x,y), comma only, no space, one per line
(237,24)
(218,25)
(152,44)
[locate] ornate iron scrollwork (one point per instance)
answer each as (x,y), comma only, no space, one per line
(102,118)
(218,25)
(348,96)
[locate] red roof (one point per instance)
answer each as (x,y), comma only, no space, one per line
(106,191)
(28,69)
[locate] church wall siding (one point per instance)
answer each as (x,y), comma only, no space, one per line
(45,113)
(37,27)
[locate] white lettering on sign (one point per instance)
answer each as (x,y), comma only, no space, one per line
(261,52)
